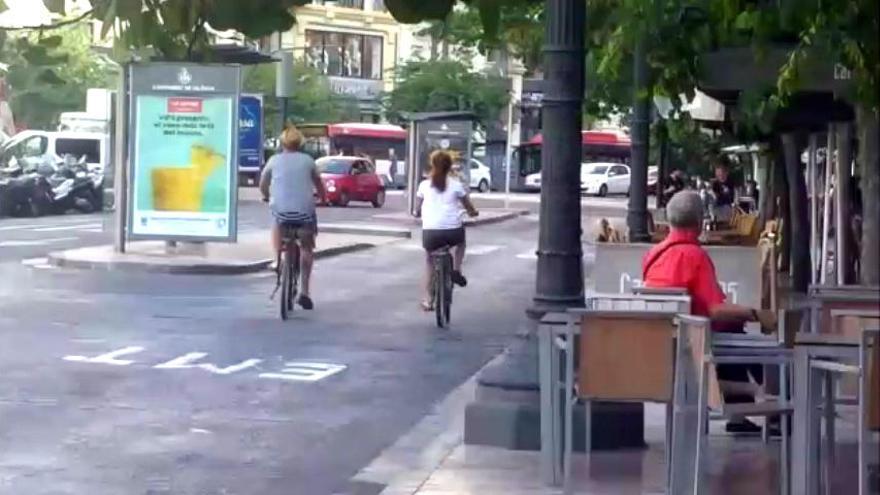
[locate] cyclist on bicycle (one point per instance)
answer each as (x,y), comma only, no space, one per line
(439,201)
(289,182)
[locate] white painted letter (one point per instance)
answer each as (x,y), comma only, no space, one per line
(109,358)
(188,361)
(299,371)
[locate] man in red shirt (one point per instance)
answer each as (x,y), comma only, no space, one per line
(679,261)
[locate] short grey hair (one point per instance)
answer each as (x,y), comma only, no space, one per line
(685,210)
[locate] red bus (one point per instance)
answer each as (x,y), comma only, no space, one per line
(597,146)
(355,138)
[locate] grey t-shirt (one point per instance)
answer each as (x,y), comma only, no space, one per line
(291,191)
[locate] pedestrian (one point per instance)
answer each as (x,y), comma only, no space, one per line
(392,167)
(724,189)
(680,262)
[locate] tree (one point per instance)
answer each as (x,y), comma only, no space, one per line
(521,32)
(312,100)
(446,85)
(48,75)
(177,29)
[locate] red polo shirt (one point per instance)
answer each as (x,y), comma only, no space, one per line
(679,261)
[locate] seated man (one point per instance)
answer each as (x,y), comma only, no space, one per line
(680,261)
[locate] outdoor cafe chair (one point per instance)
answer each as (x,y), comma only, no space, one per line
(865,371)
(617,330)
(698,393)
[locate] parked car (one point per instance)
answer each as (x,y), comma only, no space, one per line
(533,182)
(481,176)
(30,148)
(351,178)
(603,179)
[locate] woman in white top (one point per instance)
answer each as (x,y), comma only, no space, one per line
(439,202)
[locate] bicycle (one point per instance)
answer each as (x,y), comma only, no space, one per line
(442,285)
(287,268)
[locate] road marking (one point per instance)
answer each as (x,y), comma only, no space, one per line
(297,371)
(186,362)
(33,226)
(69,227)
(472,249)
(528,255)
(305,371)
(39,242)
(481,249)
(108,358)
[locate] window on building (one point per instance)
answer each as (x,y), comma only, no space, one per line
(344,54)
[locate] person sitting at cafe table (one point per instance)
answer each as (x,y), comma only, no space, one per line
(679,261)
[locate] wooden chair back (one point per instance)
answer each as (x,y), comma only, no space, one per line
(873,365)
(643,300)
(626,355)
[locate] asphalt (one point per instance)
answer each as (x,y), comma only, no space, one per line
(251,413)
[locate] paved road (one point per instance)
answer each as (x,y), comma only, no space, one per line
(33,238)
(120,383)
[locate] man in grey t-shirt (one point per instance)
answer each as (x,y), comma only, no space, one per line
(289,182)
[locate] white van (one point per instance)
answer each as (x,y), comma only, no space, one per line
(40,146)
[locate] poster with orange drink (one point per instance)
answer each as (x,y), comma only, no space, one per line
(183,167)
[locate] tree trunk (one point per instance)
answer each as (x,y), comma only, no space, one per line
(867,128)
(798,213)
(782,207)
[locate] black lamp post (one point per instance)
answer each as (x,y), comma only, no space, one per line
(560,275)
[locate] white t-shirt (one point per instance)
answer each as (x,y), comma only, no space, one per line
(441,210)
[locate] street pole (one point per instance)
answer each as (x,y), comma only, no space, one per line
(120,161)
(637,216)
(284,84)
(560,274)
(507,409)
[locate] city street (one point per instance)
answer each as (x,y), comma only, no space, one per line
(34,238)
(145,383)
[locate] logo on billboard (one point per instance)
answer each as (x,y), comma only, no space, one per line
(184,77)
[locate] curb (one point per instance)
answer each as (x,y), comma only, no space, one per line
(404,466)
(233,268)
(500,218)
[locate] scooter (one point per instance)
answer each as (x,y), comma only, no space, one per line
(70,186)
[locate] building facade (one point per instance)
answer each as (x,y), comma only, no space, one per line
(357,44)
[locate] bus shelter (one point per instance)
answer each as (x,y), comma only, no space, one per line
(430,131)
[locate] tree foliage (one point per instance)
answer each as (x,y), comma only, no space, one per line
(313,100)
(447,85)
(48,75)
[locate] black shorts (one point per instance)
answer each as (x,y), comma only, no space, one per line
(433,240)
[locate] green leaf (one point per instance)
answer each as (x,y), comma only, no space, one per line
(51,41)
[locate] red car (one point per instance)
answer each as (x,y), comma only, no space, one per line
(351,178)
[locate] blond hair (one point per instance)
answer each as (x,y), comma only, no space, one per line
(291,139)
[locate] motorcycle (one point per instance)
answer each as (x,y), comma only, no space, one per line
(70,186)
(17,187)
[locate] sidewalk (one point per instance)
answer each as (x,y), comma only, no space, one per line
(251,253)
(432,460)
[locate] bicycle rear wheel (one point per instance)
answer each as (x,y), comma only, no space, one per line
(285,284)
(294,281)
(442,290)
